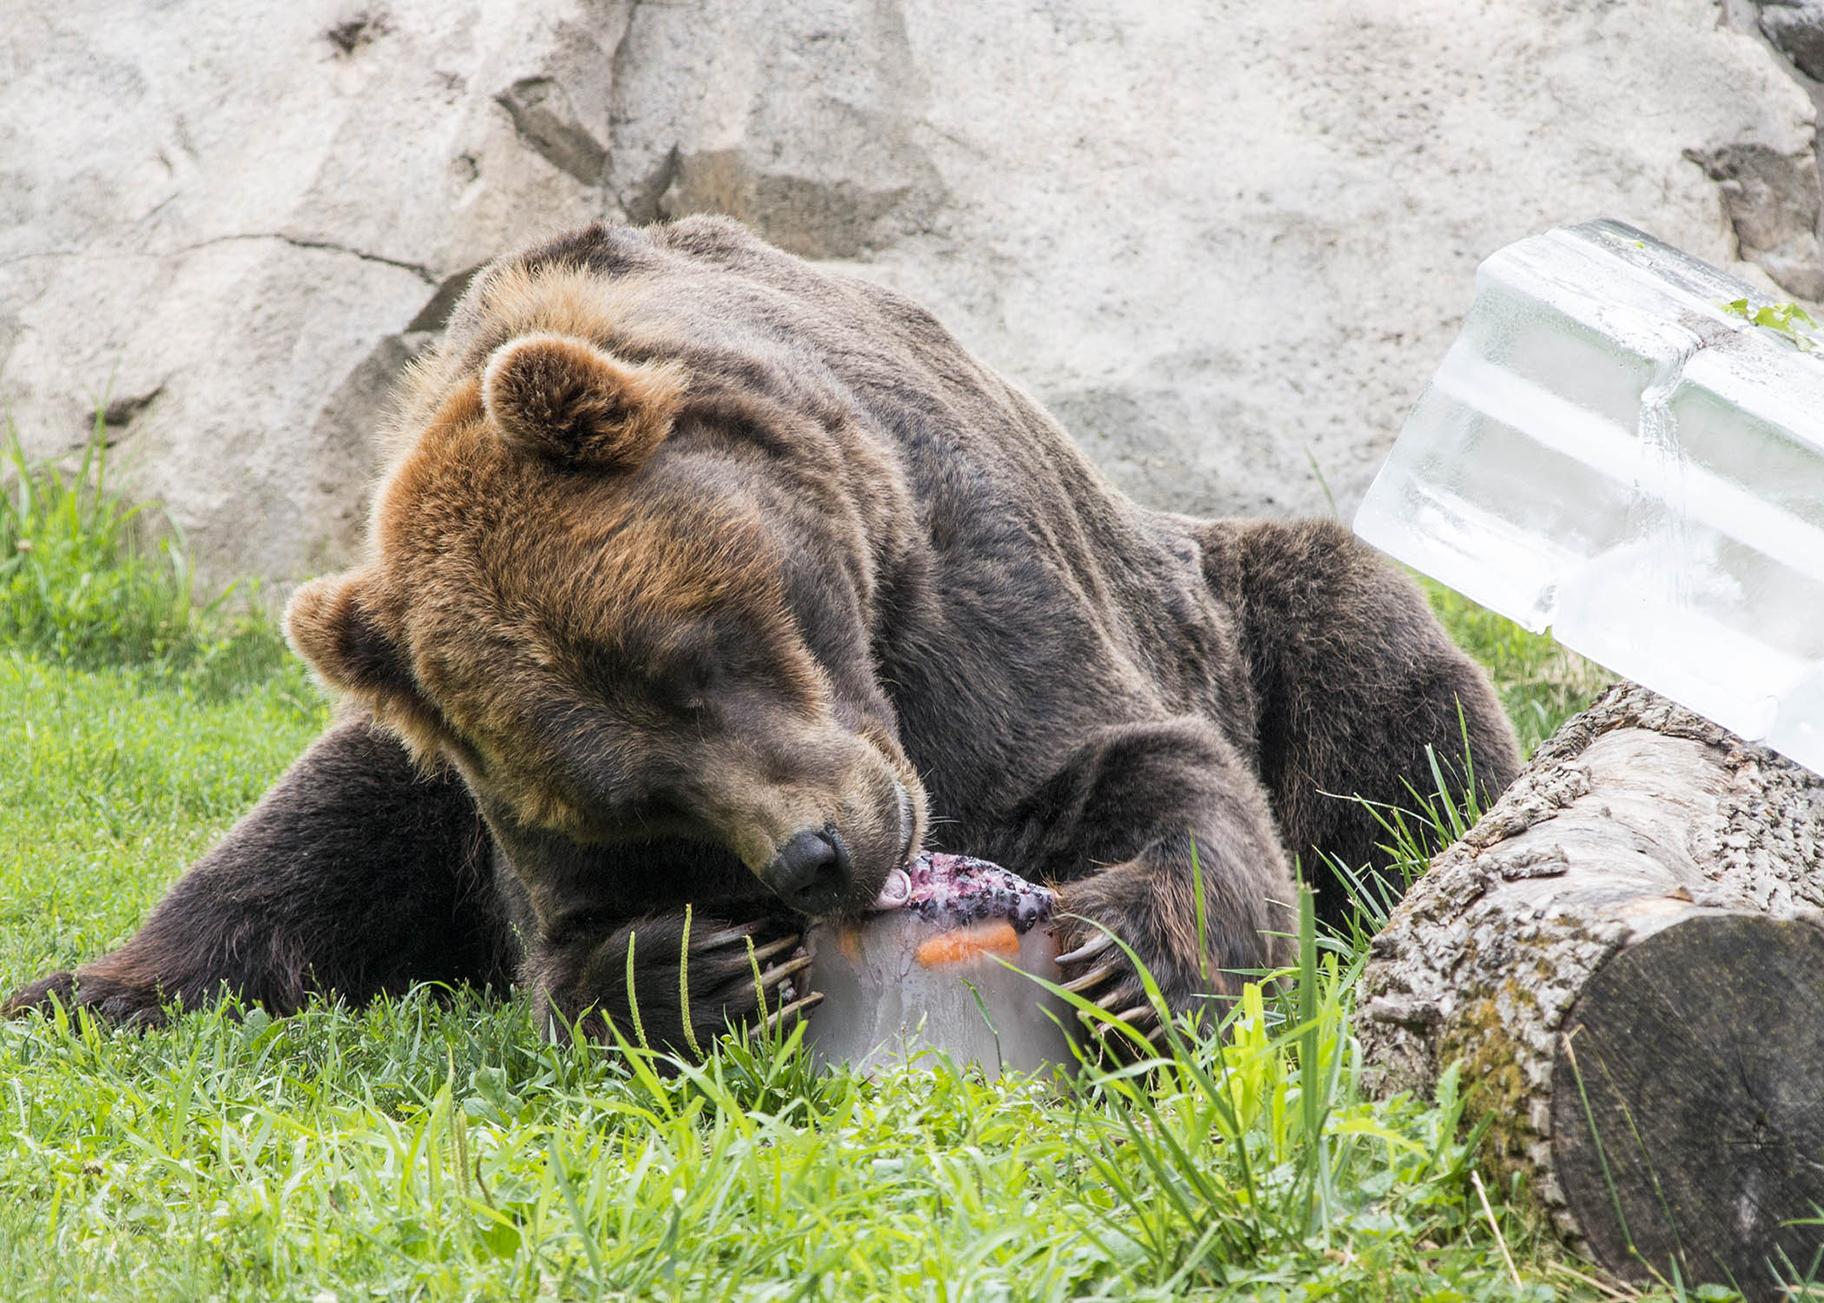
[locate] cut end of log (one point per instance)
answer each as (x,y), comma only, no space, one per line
(1688,1104)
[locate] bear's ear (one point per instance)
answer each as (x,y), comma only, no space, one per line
(579,405)
(331,624)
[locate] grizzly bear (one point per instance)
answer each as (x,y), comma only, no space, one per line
(703,577)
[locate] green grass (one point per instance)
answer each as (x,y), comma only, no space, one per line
(434,1147)
(439,1148)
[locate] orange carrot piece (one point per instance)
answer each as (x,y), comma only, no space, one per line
(967,943)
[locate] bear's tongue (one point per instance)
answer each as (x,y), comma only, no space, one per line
(957,889)
(896,892)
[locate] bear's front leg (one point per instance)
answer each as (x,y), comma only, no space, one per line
(670,982)
(356,875)
(1114,828)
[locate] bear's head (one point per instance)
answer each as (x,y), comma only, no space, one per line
(604,590)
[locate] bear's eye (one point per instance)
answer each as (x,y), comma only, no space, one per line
(695,685)
(673,688)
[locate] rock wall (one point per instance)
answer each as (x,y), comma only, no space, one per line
(1226,241)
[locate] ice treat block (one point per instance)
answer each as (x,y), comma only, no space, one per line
(1611,450)
(922,972)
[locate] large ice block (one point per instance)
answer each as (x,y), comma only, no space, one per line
(924,973)
(1610,451)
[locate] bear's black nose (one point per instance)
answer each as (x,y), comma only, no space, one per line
(811,871)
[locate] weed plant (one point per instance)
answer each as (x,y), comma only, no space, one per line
(87,579)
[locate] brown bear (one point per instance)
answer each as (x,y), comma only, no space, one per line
(705,577)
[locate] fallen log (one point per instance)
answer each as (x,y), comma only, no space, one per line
(1626,954)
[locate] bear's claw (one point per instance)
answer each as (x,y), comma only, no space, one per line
(1088,950)
(1094,977)
(1140,1017)
(795,1010)
(771,984)
(117,1003)
(767,951)
(1104,977)
(724,936)
(778,973)
(663,982)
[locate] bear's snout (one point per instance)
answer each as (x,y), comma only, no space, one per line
(811,872)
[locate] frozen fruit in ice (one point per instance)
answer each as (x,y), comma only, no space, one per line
(928,971)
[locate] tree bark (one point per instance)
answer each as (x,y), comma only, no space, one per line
(1626,956)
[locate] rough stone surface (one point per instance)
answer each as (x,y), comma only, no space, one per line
(1227,243)
(1796,27)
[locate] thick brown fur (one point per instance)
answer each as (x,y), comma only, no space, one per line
(689,551)
(566,399)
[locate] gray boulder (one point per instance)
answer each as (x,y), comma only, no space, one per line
(1226,244)
(1796,27)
